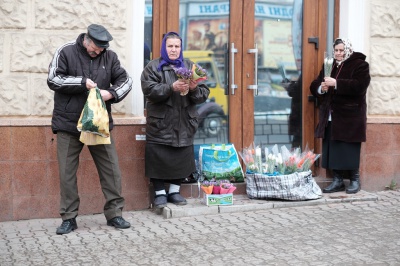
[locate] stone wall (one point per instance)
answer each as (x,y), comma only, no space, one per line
(383,96)
(31,31)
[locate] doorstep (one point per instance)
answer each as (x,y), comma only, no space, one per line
(241,203)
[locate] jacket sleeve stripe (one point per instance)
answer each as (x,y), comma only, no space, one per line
(58,80)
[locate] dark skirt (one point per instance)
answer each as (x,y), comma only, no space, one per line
(339,155)
(167,162)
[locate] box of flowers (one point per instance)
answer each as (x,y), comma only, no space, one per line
(218,192)
(280,173)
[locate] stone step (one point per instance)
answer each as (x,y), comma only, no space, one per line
(191,190)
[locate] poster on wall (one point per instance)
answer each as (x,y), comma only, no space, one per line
(207,34)
(277,45)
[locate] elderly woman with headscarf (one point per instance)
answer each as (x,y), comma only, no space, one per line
(342,115)
(172,121)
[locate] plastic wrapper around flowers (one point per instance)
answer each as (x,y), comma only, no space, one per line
(94,122)
(280,174)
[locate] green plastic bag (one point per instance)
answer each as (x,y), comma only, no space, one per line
(220,161)
(94,122)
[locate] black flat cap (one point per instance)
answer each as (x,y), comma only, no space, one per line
(99,35)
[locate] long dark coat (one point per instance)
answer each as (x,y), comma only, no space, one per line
(347,102)
(172,119)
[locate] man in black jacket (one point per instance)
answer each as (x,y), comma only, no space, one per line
(77,67)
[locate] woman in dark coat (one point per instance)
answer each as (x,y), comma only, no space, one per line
(342,115)
(172,120)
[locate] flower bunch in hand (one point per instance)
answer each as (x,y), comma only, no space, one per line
(328,63)
(184,74)
(199,73)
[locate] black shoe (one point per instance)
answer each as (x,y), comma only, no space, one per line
(176,198)
(355,185)
(337,183)
(334,187)
(67,226)
(118,222)
(160,201)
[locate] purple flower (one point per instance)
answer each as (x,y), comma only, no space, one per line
(183,73)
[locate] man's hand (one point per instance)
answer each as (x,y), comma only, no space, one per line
(90,84)
(106,95)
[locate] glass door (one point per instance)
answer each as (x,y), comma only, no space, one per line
(204,27)
(278,90)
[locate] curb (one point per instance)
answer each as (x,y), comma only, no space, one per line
(241,203)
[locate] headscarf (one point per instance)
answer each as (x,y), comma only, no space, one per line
(348,49)
(164,55)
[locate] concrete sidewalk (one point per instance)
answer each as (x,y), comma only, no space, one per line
(338,229)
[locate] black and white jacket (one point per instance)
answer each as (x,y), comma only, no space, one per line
(68,71)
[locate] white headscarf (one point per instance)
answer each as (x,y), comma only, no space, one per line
(348,49)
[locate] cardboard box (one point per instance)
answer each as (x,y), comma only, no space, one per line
(218,199)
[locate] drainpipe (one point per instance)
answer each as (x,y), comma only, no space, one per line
(330,26)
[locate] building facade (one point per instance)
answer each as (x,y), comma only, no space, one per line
(30,32)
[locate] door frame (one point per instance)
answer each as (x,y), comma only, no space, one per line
(241,33)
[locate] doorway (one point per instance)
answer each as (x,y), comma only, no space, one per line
(262,55)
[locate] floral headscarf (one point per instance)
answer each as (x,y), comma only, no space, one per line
(164,55)
(348,49)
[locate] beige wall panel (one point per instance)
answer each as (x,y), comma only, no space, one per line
(13,96)
(75,14)
(13,14)
(34,52)
(42,97)
(385,17)
(385,59)
(383,98)
(1,51)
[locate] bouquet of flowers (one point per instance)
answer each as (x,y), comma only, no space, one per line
(328,63)
(199,73)
(278,162)
(224,187)
(251,157)
(184,74)
(207,187)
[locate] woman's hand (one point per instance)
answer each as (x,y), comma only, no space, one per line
(324,87)
(330,82)
(180,85)
(192,85)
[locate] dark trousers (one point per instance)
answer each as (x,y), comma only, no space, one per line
(106,160)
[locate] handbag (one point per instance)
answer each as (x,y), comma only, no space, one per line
(220,161)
